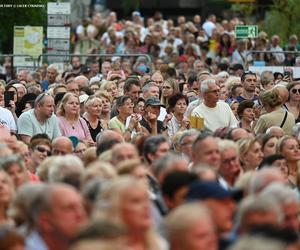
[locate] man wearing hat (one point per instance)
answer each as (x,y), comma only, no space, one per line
(221,204)
(149,120)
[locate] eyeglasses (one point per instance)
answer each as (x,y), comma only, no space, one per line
(43,150)
(294,91)
(227,161)
(166,87)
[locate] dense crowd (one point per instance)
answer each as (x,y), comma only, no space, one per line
(188,151)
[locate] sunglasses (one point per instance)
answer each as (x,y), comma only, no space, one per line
(41,97)
(294,91)
(43,150)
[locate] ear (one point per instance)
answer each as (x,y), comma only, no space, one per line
(44,222)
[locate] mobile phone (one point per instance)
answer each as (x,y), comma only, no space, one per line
(287,73)
(8,96)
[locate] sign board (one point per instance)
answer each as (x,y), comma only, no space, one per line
(58,32)
(246,31)
(58,56)
(28,40)
(59,44)
(58,20)
(59,8)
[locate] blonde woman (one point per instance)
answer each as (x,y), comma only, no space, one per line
(126,201)
(250,153)
(111,87)
(70,122)
(169,88)
(106,107)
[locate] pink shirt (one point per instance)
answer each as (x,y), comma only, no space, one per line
(80,129)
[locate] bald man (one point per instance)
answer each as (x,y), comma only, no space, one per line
(62,146)
(122,152)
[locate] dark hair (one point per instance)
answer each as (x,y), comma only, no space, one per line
(175,98)
(264,139)
(151,145)
(244,105)
(58,97)
(70,75)
(131,81)
(276,74)
(192,78)
(268,161)
(247,73)
(121,100)
(201,137)
(176,180)
(27,98)
(106,145)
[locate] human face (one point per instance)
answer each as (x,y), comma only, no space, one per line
(126,108)
(152,92)
(40,152)
(223,93)
(95,88)
(106,105)
(47,108)
(17,174)
(163,148)
(187,145)
(73,88)
(248,115)
(124,152)
(5,189)
(254,156)
(212,95)
(222,212)
(291,220)
(80,149)
(234,107)
(295,93)
(21,92)
(200,235)
(135,209)
(270,147)
(158,79)
(283,167)
(134,92)
(250,83)
(230,164)
(140,108)
(72,106)
(207,151)
(153,110)
(290,150)
(167,90)
(180,107)
(94,108)
(113,90)
(51,75)
(67,213)
(15,93)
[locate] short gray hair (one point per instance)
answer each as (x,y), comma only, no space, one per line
(205,84)
(146,88)
(227,144)
(189,132)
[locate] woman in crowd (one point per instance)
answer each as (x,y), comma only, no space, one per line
(177,105)
(139,106)
(129,204)
(246,115)
(106,107)
(6,197)
(293,103)
(276,115)
(111,88)
(288,147)
(14,166)
(169,88)
(70,122)
(268,144)
(250,153)
(93,108)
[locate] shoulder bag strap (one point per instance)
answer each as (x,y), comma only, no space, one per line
(284,119)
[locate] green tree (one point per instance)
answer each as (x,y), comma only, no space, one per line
(283,19)
(19,16)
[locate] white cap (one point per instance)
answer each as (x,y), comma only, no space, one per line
(83,98)
(94,79)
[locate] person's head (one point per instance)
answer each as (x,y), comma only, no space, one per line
(44,105)
(124,106)
(250,153)
(294,91)
(58,214)
(110,87)
(288,146)
(72,87)
(267,79)
(81,81)
(169,87)
(7,189)
(106,101)
(249,81)
(152,107)
(218,200)
(93,106)
(157,78)
(139,106)
(59,88)
(178,103)
(268,144)
(123,151)
(186,223)
(210,92)
(132,88)
(276,131)
(69,106)
(22,75)
(52,73)
(186,141)
(245,111)
(14,166)
(40,149)
(275,160)
(106,139)
(150,90)
(205,150)
(62,146)
(270,99)
(133,167)
(230,166)
(105,68)
(155,147)
(75,62)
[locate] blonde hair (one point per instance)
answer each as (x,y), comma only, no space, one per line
(281,141)
(61,109)
(271,97)
(128,166)
(106,85)
(174,84)
(100,169)
(104,94)
(244,146)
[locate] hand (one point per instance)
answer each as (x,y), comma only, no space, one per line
(134,121)
(185,124)
(12,106)
(168,118)
(152,117)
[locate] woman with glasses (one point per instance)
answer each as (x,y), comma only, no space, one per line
(170,87)
(293,103)
(70,122)
(93,108)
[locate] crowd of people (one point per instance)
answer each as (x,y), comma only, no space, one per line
(189,151)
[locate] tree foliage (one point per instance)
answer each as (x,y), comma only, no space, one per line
(283,19)
(22,16)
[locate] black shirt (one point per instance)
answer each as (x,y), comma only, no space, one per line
(96,131)
(146,125)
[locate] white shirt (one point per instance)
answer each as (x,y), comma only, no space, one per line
(7,119)
(217,117)
(208,26)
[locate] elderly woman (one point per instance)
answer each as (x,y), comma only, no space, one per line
(276,115)
(250,153)
(70,122)
(293,103)
(14,166)
(177,105)
(93,108)
(129,205)
(106,107)
(288,147)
